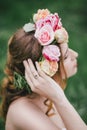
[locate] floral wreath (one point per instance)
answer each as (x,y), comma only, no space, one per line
(48,31)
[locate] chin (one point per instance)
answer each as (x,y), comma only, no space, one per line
(74,72)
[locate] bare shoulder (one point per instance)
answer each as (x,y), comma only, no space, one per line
(16,111)
(27,116)
(21,107)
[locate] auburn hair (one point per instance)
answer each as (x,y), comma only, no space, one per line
(22,46)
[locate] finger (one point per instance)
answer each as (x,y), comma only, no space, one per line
(32,69)
(25,64)
(28,71)
(34,84)
(28,80)
(31,84)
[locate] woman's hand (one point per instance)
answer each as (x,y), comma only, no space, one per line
(41,83)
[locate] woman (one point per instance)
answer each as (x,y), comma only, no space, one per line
(38,64)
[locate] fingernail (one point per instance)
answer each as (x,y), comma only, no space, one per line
(36,62)
(29,59)
(24,61)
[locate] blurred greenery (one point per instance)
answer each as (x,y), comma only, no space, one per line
(14,14)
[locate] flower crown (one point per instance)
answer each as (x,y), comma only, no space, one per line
(48,29)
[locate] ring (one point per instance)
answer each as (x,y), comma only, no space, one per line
(36,76)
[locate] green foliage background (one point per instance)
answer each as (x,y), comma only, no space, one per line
(15,13)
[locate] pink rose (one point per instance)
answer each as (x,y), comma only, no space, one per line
(40,23)
(45,35)
(53,20)
(61,35)
(51,52)
(49,67)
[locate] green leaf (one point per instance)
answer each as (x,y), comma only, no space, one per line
(21,83)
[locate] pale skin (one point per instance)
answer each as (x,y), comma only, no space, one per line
(29,114)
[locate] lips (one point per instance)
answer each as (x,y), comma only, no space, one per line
(76,65)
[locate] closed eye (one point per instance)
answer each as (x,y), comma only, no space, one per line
(65,57)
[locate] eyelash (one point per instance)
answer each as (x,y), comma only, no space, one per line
(65,57)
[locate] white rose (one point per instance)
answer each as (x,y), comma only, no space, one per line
(29,27)
(49,67)
(61,35)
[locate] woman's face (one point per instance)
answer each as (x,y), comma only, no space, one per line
(70,60)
